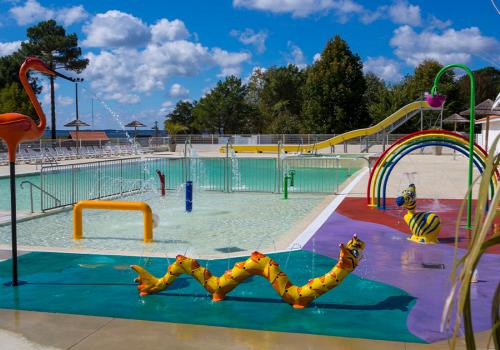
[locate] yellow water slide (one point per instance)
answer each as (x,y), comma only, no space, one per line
(308,148)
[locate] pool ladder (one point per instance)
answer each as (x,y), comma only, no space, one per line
(42,191)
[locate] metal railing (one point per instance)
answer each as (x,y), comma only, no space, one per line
(42,192)
(103,179)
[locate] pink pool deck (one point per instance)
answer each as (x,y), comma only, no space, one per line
(390,258)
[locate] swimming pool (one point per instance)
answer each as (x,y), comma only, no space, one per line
(67,184)
(220,223)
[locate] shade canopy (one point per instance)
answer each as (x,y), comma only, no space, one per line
(76,123)
(483,109)
(455,118)
(135,124)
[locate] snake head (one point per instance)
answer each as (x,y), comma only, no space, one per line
(352,252)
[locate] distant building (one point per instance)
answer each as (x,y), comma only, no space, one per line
(494,131)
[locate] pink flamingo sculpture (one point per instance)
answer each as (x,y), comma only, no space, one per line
(16,128)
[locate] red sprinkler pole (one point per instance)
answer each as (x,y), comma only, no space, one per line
(162,182)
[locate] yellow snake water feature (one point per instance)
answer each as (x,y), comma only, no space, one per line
(257,264)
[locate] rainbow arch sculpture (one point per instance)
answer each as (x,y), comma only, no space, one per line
(381,171)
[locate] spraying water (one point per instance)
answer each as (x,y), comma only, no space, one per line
(115,115)
(235,168)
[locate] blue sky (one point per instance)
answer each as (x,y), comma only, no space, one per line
(146,55)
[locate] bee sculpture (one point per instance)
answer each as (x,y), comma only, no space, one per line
(424,226)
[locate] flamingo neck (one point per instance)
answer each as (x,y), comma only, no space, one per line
(31,94)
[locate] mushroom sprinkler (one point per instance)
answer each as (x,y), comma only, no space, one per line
(433,99)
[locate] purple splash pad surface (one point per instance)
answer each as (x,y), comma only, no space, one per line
(390,258)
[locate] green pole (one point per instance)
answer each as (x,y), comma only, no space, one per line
(472,103)
(292,177)
(285,187)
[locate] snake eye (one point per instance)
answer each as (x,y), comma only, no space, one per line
(355,253)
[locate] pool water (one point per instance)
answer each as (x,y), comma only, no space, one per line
(69,184)
(219,223)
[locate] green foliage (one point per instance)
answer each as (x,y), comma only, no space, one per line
(13,99)
(457,307)
(334,90)
(173,128)
(280,99)
(225,109)
(487,86)
(49,41)
(375,97)
(423,79)
(332,95)
(183,115)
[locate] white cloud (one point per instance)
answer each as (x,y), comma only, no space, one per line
(387,69)
(250,37)
(121,74)
(316,57)
(70,15)
(435,23)
(137,58)
(449,46)
(165,30)
(301,8)
(401,12)
(296,56)
(116,29)
(9,47)
(167,104)
(64,100)
(230,62)
(32,11)
(344,9)
(178,91)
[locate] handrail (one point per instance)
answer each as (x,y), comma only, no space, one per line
(58,202)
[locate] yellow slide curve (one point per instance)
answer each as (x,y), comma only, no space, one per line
(308,148)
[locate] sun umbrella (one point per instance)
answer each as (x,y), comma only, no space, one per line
(455,119)
(77,123)
(135,124)
(485,108)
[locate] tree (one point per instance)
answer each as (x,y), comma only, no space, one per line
(423,80)
(59,50)
(14,99)
(375,97)
(280,99)
(9,74)
(225,108)
(334,91)
(487,86)
(182,114)
(173,128)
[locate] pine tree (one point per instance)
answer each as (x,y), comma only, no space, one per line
(59,50)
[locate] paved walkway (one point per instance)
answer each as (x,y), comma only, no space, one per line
(27,330)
